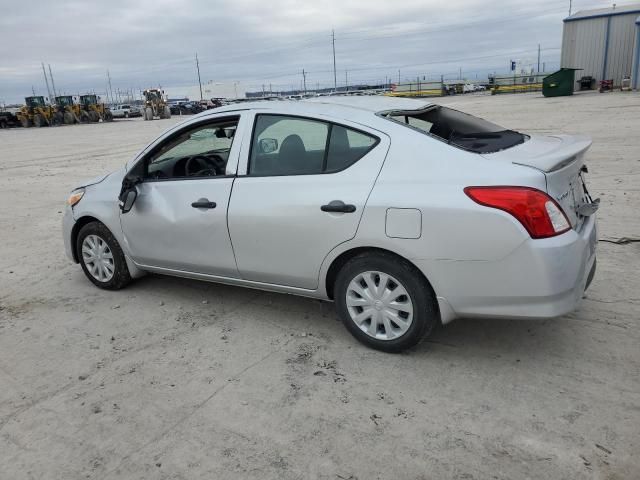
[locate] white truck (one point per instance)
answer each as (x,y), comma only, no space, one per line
(125,111)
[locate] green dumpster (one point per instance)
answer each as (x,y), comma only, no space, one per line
(560,83)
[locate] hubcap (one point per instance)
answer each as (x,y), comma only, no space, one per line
(98,258)
(379,305)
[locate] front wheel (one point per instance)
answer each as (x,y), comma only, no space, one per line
(101,257)
(385,302)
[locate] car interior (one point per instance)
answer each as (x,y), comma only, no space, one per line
(460,129)
(201,152)
(294,157)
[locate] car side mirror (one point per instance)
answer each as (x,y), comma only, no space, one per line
(127,199)
(268,145)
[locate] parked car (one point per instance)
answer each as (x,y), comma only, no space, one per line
(125,111)
(186,108)
(404,213)
(472,87)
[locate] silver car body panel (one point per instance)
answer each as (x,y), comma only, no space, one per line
(274,219)
(163,229)
(480,261)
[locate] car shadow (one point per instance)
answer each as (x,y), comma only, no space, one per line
(475,337)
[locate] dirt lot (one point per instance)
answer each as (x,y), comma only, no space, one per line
(175,379)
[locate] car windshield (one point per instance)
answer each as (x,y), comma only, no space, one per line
(460,129)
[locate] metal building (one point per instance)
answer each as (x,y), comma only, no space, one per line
(605,43)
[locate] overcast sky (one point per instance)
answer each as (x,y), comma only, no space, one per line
(147,43)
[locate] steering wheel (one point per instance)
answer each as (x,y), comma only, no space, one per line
(211,170)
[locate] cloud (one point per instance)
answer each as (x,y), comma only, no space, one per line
(147,43)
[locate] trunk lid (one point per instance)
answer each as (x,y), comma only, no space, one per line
(561,159)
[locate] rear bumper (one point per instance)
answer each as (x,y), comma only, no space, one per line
(543,278)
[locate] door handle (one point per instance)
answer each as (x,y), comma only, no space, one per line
(338,206)
(203,203)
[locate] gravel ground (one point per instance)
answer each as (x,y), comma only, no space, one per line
(176,379)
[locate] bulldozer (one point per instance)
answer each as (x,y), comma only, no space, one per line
(37,113)
(68,111)
(93,109)
(155,104)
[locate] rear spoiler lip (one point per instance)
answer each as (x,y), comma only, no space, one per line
(565,153)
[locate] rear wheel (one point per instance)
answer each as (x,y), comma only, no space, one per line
(38,121)
(84,117)
(25,122)
(108,116)
(101,257)
(68,118)
(385,302)
(94,116)
(167,112)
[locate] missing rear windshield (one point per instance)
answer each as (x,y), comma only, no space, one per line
(460,129)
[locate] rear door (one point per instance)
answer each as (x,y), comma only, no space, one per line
(303,191)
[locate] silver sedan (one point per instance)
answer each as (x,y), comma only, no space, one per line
(404,213)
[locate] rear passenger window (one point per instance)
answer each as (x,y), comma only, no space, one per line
(346,147)
(283,145)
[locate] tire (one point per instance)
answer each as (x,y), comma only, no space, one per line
(25,122)
(94,116)
(38,121)
(414,305)
(119,274)
(108,116)
(126,114)
(58,118)
(148,113)
(84,117)
(68,118)
(167,112)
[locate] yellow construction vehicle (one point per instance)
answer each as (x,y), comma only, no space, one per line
(93,109)
(37,113)
(68,111)
(155,104)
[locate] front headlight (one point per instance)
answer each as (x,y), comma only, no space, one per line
(75,197)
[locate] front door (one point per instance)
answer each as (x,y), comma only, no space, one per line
(179,220)
(306,186)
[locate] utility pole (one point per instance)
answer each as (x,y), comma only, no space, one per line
(333,43)
(110,88)
(346,79)
(460,77)
(398,76)
(304,81)
(45,81)
(53,85)
(33,90)
(199,81)
(538,58)
(570,7)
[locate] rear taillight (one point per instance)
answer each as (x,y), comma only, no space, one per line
(534,209)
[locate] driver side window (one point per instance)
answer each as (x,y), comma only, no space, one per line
(199,152)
